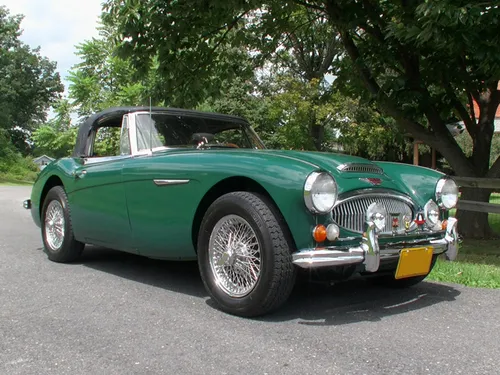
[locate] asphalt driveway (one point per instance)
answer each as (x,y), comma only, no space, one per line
(115,313)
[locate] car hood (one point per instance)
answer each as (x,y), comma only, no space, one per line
(324,160)
(370,175)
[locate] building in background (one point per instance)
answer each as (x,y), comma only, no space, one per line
(42,161)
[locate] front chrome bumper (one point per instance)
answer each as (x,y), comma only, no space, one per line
(369,252)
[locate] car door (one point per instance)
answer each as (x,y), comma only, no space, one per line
(98,199)
(161,194)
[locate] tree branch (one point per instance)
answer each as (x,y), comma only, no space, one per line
(462,112)
(473,92)
(446,144)
(229,28)
(329,56)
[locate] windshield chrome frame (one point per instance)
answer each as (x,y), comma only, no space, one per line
(250,134)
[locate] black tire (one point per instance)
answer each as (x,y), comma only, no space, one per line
(390,282)
(70,249)
(277,273)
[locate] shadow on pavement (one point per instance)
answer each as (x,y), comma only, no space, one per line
(181,277)
(312,303)
(358,300)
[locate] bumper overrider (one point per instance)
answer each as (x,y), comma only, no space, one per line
(369,253)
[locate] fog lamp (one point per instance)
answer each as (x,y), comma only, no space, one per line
(377,213)
(332,232)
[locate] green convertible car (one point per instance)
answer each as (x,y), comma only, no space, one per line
(187,185)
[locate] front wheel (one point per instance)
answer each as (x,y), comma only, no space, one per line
(57,231)
(244,256)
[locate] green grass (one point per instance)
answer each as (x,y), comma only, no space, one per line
(494,219)
(477,265)
(13,182)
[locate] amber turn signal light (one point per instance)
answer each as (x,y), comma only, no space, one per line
(319,233)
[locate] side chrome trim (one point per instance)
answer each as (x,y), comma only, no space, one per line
(170,182)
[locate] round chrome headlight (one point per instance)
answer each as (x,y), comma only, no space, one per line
(431,211)
(446,193)
(320,192)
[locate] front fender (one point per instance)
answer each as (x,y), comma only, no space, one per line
(61,170)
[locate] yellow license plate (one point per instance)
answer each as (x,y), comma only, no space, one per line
(414,262)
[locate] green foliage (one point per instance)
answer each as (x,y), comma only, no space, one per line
(178,50)
(368,133)
(29,83)
(102,79)
(107,142)
(57,137)
(13,166)
(423,63)
(239,98)
(397,54)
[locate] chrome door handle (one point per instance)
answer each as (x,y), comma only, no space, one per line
(80,174)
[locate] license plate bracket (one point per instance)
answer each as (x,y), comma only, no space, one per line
(414,262)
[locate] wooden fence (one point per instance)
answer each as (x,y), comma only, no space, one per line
(484,183)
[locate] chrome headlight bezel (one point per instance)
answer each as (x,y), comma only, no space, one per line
(313,186)
(446,188)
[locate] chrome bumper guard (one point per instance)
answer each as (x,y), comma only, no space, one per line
(369,253)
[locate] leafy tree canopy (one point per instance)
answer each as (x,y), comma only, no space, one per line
(421,62)
(29,83)
(424,63)
(57,137)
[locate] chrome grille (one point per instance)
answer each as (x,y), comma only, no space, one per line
(360,168)
(351,212)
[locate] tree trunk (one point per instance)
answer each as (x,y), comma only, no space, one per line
(474,224)
(318,135)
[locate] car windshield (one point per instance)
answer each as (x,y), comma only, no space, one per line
(161,130)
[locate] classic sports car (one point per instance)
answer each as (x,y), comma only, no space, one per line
(187,185)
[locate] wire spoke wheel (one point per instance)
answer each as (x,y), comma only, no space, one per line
(235,255)
(244,258)
(54,225)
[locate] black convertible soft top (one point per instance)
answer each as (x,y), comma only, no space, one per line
(113,117)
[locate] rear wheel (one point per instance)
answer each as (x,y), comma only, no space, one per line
(244,256)
(57,231)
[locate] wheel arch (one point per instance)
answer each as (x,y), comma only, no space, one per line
(228,185)
(52,181)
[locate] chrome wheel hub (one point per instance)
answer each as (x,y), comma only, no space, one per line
(54,225)
(234,254)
